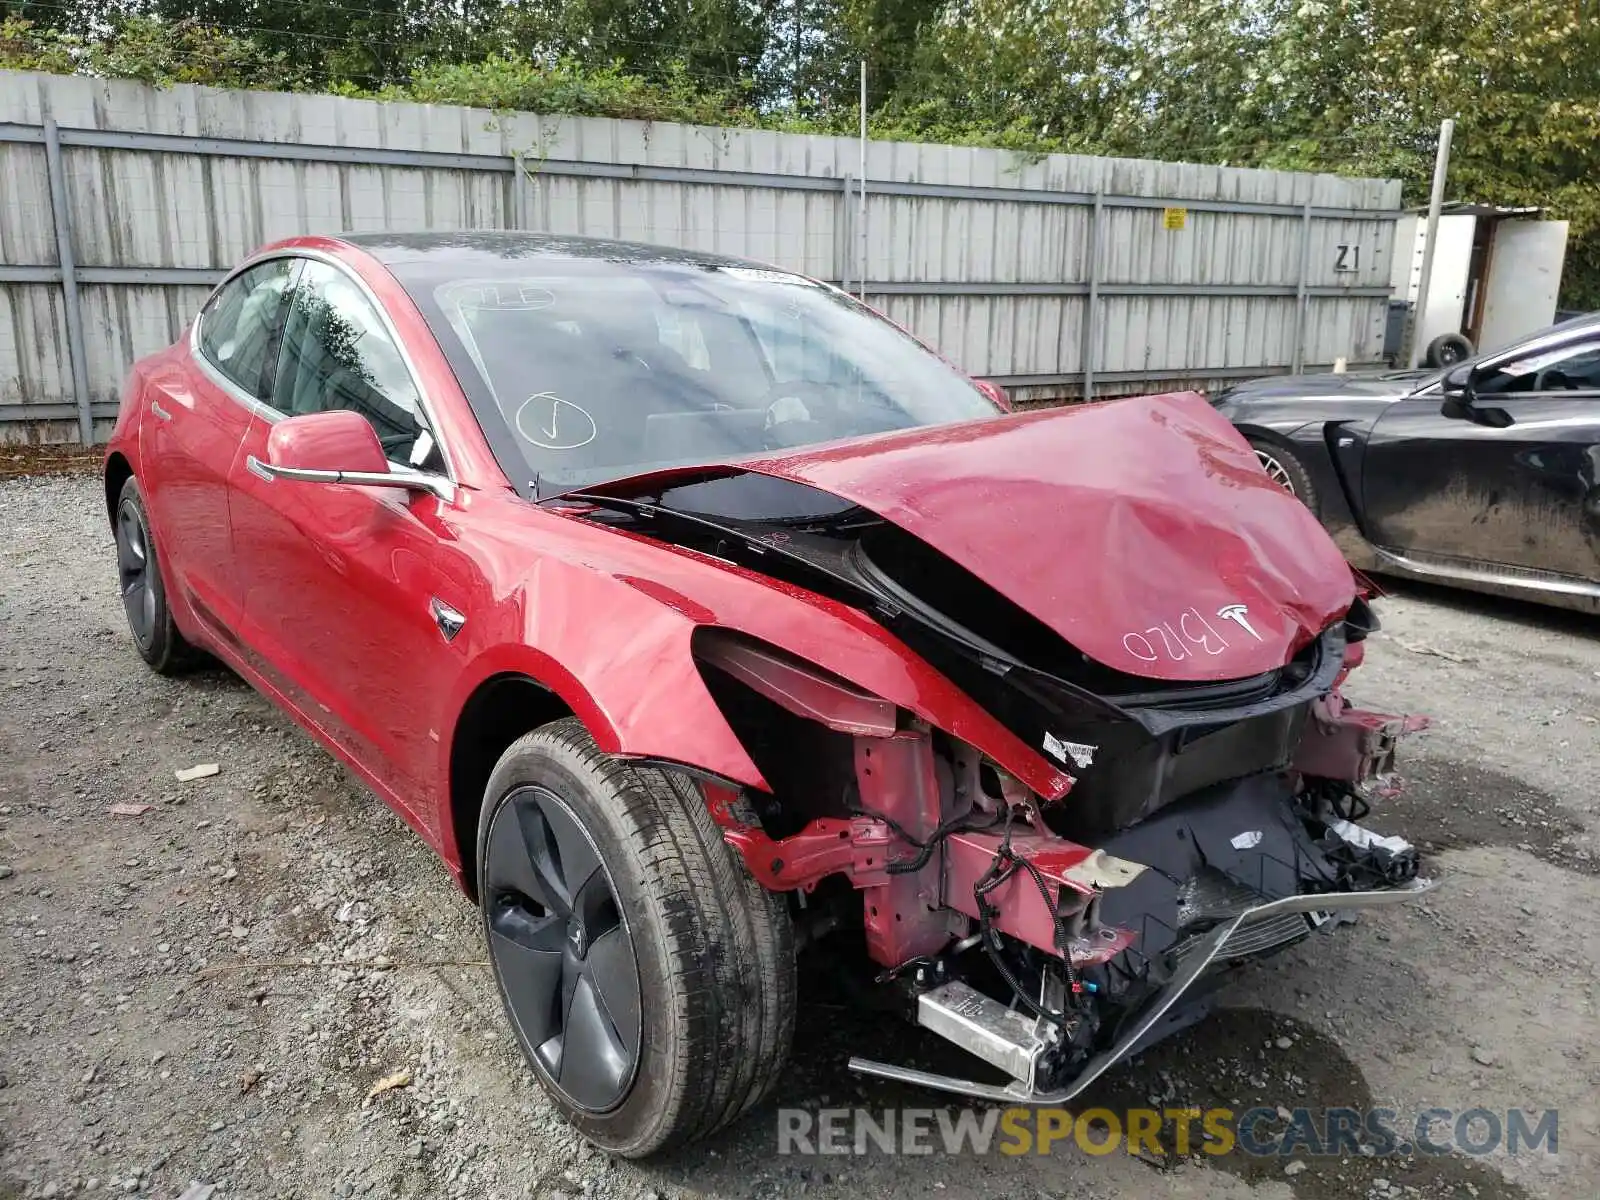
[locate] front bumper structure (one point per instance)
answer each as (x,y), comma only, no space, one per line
(1016,1046)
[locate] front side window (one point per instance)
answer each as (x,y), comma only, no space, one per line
(594,370)
(239,324)
(337,354)
(1573,367)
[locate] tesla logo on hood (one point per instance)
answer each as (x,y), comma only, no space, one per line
(1239,615)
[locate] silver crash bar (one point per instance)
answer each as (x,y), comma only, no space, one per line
(1194,964)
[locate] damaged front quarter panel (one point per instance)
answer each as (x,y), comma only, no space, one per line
(1213,808)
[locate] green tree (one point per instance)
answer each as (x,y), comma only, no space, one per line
(721,44)
(1360,86)
(1025,73)
(1352,86)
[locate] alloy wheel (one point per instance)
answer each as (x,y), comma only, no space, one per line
(561,949)
(133,572)
(1275,470)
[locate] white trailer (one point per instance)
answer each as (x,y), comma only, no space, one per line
(1496,276)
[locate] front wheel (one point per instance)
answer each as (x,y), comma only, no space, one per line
(649,981)
(1285,470)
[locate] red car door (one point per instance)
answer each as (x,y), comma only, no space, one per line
(352,594)
(201,400)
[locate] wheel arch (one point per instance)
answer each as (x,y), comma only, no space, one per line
(1313,444)
(498,711)
(516,689)
(1278,435)
(118,470)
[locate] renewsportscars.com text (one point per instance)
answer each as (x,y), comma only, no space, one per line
(1216,1131)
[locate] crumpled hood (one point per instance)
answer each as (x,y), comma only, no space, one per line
(1143,531)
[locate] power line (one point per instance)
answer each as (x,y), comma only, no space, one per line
(710,83)
(1375,145)
(451,25)
(678,52)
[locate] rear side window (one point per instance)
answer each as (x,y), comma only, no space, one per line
(239,327)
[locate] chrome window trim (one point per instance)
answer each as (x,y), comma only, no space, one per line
(1554,338)
(272,415)
(212,371)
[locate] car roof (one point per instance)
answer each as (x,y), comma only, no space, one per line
(439,248)
(1582,321)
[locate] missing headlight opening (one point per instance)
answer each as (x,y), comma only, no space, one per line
(1206,823)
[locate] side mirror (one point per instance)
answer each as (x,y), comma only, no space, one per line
(338,446)
(995,392)
(1461,401)
(1458,394)
(1458,381)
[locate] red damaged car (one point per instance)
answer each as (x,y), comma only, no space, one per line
(694,613)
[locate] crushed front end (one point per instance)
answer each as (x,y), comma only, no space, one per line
(1213,815)
(1050,944)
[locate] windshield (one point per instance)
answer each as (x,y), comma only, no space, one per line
(583,370)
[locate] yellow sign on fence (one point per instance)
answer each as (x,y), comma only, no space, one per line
(1174,218)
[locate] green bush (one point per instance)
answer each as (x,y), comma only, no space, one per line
(152,51)
(1355,86)
(563,87)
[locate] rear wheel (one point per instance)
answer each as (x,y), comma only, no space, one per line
(143,588)
(1285,470)
(648,979)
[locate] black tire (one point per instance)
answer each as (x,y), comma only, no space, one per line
(1447,350)
(1287,471)
(713,951)
(143,588)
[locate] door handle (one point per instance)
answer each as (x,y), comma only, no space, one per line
(258,468)
(159,412)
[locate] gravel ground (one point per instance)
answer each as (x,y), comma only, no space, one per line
(208,991)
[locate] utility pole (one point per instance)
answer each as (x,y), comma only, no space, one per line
(799,36)
(861,273)
(1441,164)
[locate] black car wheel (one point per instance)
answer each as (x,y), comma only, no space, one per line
(1285,470)
(648,979)
(143,588)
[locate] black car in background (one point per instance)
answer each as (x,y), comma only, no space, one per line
(1486,475)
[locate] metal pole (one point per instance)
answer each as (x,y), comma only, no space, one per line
(847,236)
(1441,164)
(1301,303)
(61,212)
(861,231)
(1092,301)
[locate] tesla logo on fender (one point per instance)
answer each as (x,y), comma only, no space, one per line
(1239,615)
(449,621)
